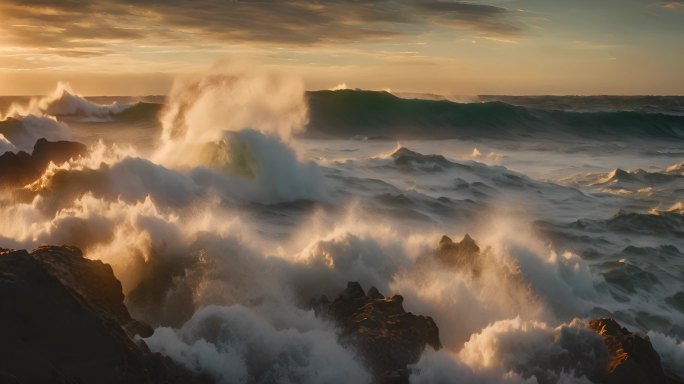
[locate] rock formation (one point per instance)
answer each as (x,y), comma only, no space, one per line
(21,168)
(385,335)
(94,281)
(632,357)
(62,320)
(464,255)
(404,157)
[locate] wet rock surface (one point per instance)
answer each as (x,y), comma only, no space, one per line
(378,327)
(94,281)
(632,357)
(17,169)
(60,320)
(463,255)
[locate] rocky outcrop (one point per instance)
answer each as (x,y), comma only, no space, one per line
(62,320)
(21,168)
(632,357)
(463,255)
(378,327)
(406,158)
(94,281)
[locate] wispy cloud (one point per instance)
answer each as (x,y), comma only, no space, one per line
(677,4)
(89,27)
(479,17)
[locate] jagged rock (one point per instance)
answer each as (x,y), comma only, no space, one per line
(59,323)
(632,357)
(94,281)
(405,157)
(388,337)
(465,254)
(373,293)
(45,151)
(21,168)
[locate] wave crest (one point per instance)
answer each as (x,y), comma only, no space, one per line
(63,102)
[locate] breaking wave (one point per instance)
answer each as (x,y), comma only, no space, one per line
(21,133)
(224,233)
(65,104)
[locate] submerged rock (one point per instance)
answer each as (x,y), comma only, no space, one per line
(385,335)
(632,357)
(21,168)
(62,320)
(405,157)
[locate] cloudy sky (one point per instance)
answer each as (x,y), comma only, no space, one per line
(439,46)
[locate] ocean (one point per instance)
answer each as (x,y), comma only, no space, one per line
(228,205)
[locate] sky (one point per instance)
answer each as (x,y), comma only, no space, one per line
(516,47)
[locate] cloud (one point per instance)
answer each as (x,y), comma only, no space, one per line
(479,17)
(676,4)
(88,27)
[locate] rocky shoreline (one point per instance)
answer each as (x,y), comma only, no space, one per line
(63,320)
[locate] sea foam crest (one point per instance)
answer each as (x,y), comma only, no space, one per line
(64,102)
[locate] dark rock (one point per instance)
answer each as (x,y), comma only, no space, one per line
(51,335)
(94,281)
(388,337)
(57,152)
(373,293)
(21,168)
(17,169)
(59,323)
(405,157)
(632,357)
(463,255)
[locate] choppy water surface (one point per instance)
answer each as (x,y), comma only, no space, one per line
(239,197)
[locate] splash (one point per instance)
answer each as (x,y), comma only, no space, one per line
(230,98)
(21,133)
(233,126)
(63,102)
(6,145)
(236,345)
(223,236)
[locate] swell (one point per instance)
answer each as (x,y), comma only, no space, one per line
(141,111)
(348,113)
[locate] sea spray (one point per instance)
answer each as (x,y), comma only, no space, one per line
(234,125)
(63,102)
(223,250)
(229,98)
(21,133)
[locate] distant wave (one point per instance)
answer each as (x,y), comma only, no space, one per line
(631,179)
(64,103)
(671,105)
(22,133)
(349,113)
(140,111)
(661,224)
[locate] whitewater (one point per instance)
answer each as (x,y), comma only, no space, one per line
(225,207)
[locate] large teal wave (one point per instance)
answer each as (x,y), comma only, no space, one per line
(348,113)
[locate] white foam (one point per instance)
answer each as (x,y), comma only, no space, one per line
(6,145)
(249,166)
(671,352)
(64,102)
(236,345)
(229,98)
(23,132)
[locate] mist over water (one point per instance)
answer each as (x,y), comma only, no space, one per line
(227,209)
